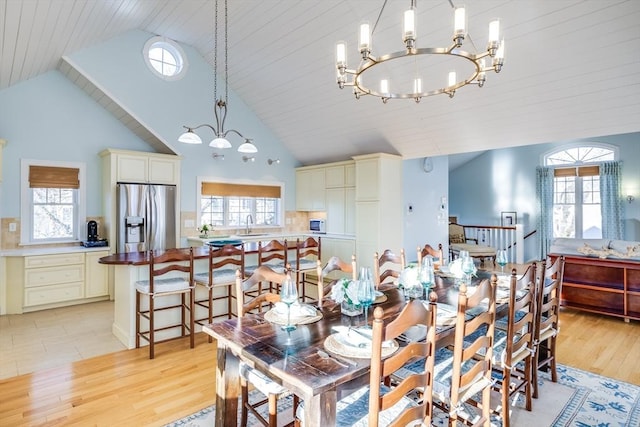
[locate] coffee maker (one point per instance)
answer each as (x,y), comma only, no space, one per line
(92,231)
(92,236)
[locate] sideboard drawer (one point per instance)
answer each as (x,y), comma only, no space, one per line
(53,293)
(53,275)
(53,260)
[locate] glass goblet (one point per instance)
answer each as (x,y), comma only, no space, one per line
(468,267)
(501,259)
(426,275)
(366,296)
(288,295)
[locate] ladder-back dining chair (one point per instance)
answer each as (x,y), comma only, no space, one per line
(513,349)
(547,325)
(170,274)
(460,374)
(379,404)
(436,254)
(387,267)
(247,301)
(334,264)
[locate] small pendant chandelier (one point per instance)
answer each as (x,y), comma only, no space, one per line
(220,108)
(412,87)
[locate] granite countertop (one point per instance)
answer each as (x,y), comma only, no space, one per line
(269,236)
(27,251)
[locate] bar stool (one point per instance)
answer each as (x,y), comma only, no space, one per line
(308,252)
(177,265)
(223,263)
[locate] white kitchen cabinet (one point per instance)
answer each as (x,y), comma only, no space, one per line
(96,275)
(310,189)
(52,279)
(336,208)
(143,168)
(379,205)
(39,282)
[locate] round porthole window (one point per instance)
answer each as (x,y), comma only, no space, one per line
(165,58)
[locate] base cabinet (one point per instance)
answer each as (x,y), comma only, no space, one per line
(40,282)
(604,286)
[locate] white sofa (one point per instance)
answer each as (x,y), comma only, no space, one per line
(600,248)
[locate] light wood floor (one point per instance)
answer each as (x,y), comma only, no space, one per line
(127,389)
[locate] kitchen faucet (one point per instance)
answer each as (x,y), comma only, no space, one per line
(249,221)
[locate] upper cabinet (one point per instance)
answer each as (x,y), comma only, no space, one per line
(145,167)
(2,144)
(310,188)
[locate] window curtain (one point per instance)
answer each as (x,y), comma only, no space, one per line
(544,196)
(611,200)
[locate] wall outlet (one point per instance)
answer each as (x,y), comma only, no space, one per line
(13,227)
(189,223)
(287,221)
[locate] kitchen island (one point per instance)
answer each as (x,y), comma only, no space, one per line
(130,267)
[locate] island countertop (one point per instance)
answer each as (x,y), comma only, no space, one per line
(199,252)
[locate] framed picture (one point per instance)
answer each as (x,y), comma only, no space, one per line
(508,218)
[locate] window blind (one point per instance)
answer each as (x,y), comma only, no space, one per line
(239,190)
(592,170)
(53,177)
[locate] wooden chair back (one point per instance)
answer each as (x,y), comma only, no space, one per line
(225,256)
(548,290)
(334,264)
(517,345)
(273,252)
(387,267)
(436,254)
(246,302)
(548,296)
(521,316)
(309,247)
(163,262)
(477,373)
(413,313)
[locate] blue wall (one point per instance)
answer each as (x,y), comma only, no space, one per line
(427,223)
(50,118)
(505,180)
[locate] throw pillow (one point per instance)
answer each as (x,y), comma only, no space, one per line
(457,238)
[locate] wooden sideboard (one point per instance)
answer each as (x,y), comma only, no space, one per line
(605,286)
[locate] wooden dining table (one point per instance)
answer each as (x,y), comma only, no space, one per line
(292,360)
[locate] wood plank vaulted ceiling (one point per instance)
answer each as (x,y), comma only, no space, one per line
(572,68)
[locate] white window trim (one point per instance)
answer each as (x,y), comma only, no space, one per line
(183,64)
(564,147)
(202,179)
(25,208)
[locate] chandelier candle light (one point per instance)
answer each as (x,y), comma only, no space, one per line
(413,89)
(220,108)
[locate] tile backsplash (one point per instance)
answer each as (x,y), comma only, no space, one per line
(11,239)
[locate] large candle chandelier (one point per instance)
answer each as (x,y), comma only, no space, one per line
(412,87)
(220,108)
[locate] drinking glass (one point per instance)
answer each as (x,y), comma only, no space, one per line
(501,259)
(426,275)
(468,267)
(288,295)
(366,296)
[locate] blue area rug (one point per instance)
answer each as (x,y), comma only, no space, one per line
(579,399)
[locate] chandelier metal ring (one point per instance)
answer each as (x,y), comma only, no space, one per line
(372,62)
(494,50)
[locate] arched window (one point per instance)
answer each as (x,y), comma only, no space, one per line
(576,189)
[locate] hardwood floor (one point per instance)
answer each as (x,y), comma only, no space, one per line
(127,389)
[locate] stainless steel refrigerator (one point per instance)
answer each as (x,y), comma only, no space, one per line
(146,217)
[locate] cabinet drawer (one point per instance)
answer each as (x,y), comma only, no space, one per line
(51,294)
(53,260)
(53,275)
